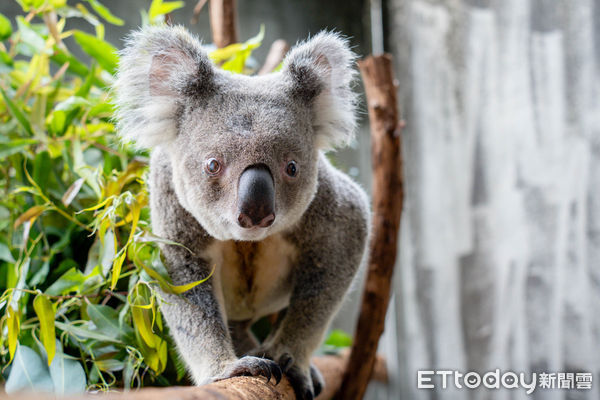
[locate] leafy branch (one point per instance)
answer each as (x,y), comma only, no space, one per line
(79,266)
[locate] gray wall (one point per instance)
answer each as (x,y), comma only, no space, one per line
(500,249)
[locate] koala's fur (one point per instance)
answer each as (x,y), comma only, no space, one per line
(172,99)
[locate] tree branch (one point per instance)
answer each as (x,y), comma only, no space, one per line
(223,22)
(239,388)
(197,9)
(377,73)
(275,56)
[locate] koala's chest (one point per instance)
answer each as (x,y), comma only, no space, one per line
(254,277)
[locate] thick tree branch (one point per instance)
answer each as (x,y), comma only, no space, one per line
(275,56)
(377,73)
(240,388)
(223,22)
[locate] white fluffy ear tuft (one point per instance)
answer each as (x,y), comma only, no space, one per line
(158,68)
(322,71)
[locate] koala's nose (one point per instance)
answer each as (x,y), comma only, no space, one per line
(256,197)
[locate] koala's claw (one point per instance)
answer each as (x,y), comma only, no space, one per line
(285,362)
(305,387)
(317,380)
(253,366)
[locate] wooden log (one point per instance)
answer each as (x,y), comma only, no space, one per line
(223,22)
(377,73)
(238,388)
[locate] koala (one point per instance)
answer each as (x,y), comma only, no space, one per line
(239,177)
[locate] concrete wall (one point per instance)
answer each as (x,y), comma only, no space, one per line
(500,249)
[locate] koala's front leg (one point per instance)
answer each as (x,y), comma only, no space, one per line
(200,333)
(321,279)
(203,340)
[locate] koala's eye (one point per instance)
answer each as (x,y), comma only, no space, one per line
(291,169)
(212,166)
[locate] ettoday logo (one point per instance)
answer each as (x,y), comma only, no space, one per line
(508,380)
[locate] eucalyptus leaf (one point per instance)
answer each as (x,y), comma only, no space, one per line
(33,40)
(72,103)
(98,49)
(69,281)
(45,312)
(159,8)
(5,27)
(40,275)
(108,252)
(15,146)
(5,253)
(67,375)
(72,192)
(13,329)
(17,112)
(28,372)
(338,338)
(106,320)
(42,166)
(83,333)
(60,57)
(105,13)
(110,365)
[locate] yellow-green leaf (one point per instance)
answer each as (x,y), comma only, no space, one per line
(105,13)
(235,55)
(30,214)
(136,208)
(179,289)
(14,325)
(142,317)
(158,8)
(225,53)
(99,205)
(5,28)
(116,269)
(58,3)
(151,358)
(17,113)
(162,281)
(58,120)
(162,356)
(109,365)
(45,312)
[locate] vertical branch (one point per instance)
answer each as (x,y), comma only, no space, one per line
(223,22)
(276,54)
(377,73)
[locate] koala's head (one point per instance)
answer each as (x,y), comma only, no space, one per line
(244,150)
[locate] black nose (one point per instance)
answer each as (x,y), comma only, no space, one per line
(256,197)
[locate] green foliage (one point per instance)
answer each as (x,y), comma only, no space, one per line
(79,267)
(336,341)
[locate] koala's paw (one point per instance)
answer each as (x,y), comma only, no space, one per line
(317,380)
(306,384)
(252,366)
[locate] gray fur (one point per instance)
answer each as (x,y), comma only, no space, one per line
(172,99)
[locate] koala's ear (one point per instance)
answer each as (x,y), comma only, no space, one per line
(321,71)
(158,69)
